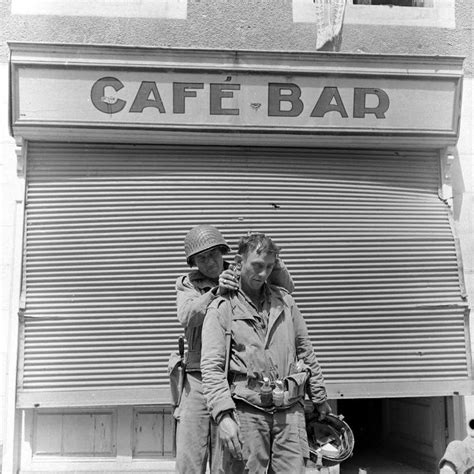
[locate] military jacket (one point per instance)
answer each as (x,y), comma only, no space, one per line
(264,343)
(194,293)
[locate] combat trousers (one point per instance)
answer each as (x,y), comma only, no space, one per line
(196,432)
(276,442)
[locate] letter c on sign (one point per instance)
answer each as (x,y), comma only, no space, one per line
(103,103)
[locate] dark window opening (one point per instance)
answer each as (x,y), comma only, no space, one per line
(396,3)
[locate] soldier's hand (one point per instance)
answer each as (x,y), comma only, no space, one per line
(323,409)
(229,434)
(228,281)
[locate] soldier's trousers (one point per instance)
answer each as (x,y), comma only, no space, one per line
(277,442)
(196,432)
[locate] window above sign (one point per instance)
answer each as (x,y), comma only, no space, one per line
(171,9)
(397,3)
(420,13)
(417,13)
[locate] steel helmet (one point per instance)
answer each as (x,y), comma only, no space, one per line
(330,440)
(202,238)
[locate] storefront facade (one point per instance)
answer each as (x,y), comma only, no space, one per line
(344,159)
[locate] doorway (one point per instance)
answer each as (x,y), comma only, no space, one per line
(403,435)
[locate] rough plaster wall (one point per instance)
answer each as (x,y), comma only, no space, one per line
(463,184)
(237,24)
(7,220)
(406,40)
(463,198)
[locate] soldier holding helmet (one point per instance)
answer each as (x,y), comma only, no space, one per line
(270,347)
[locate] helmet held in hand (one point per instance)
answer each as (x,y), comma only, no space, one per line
(330,440)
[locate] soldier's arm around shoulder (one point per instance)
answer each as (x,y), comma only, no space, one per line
(191,303)
(213,355)
(280,276)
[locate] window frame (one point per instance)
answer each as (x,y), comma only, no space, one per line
(431,2)
(440,15)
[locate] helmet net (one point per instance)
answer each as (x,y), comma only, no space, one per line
(202,238)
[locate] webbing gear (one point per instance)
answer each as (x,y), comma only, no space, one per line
(331,440)
(202,238)
(176,370)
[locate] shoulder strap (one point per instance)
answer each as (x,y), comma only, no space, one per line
(228,341)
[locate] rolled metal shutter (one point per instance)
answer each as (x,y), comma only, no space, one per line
(364,234)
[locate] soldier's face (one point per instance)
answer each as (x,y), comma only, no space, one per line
(210,263)
(256,268)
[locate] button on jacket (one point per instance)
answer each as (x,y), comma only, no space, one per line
(267,343)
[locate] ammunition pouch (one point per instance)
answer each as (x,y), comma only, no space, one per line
(248,389)
(295,386)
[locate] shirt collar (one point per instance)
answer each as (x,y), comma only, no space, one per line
(270,298)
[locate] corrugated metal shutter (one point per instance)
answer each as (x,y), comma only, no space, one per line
(364,234)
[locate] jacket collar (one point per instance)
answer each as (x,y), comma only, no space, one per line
(276,309)
(241,305)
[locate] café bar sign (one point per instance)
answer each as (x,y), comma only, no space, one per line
(281,99)
(254,92)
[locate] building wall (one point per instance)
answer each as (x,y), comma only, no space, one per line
(234,24)
(463,212)
(463,185)
(7,231)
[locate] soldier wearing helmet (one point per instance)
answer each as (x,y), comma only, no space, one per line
(204,248)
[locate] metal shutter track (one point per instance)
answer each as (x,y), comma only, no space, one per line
(363,232)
